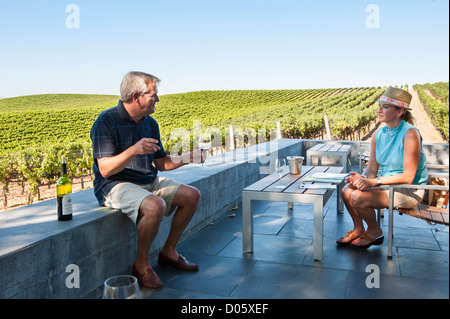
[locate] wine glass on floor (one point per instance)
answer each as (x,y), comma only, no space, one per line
(280,165)
(121,287)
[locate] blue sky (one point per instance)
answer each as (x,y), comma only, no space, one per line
(220,44)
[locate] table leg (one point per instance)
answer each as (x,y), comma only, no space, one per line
(345,162)
(247,224)
(391,224)
(318,230)
(308,159)
(340,202)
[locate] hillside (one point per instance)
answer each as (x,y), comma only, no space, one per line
(50,119)
(46,102)
(67,118)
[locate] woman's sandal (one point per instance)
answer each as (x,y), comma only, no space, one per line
(372,241)
(350,235)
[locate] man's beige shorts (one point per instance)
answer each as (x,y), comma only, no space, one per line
(128,196)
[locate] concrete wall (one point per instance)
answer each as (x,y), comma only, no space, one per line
(437,153)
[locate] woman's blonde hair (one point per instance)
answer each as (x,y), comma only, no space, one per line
(408,117)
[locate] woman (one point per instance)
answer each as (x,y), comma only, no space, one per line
(397,150)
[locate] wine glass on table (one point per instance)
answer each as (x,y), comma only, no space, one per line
(121,287)
(280,165)
(204,144)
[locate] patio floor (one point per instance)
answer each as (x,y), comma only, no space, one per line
(282,264)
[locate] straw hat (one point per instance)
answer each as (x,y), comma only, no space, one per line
(396,97)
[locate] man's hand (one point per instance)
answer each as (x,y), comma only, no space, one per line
(147,146)
(109,166)
(198,156)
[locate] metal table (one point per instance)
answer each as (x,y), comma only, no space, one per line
(295,191)
(319,150)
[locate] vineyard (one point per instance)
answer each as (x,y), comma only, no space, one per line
(434,98)
(36,131)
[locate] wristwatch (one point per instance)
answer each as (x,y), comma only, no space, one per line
(378,181)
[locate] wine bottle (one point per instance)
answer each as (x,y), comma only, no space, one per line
(64,194)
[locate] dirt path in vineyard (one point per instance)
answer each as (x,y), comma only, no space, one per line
(423,122)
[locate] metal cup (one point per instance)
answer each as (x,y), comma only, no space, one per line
(295,164)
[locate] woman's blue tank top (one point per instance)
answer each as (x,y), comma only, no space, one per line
(389,152)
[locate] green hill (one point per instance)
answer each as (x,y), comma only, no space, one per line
(47,102)
(39,120)
(60,120)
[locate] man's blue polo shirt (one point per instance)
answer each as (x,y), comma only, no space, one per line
(112,133)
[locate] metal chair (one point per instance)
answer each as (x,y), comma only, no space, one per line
(430,213)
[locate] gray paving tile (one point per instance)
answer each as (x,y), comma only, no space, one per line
(424,264)
(209,241)
(216,276)
(277,249)
(347,258)
(281,281)
(441,233)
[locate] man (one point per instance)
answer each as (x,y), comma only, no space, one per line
(128,154)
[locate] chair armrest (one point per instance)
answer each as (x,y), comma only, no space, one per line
(392,189)
(432,187)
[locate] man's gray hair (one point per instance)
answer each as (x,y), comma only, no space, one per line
(135,82)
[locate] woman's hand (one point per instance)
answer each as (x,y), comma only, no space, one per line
(361,183)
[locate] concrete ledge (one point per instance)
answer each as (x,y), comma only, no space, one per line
(35,249)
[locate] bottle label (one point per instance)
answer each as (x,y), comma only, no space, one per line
(67,204)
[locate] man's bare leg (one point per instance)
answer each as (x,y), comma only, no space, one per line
(186,199)
(151,212)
